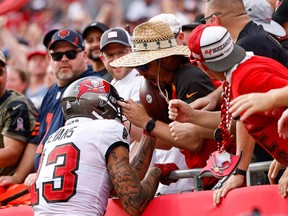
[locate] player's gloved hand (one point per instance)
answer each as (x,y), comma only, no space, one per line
(166,169)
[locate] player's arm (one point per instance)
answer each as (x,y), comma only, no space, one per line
(133,194)
(142,158)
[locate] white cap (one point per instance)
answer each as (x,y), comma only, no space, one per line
(260,11)
(169,19)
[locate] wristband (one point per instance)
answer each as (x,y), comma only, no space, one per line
(148,133)
(238,171)
(150,125)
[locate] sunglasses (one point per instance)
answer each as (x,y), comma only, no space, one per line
(70,54)
(142,68)
(204,20)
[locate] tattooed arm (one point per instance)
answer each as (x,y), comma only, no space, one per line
(142,158)
(134,194)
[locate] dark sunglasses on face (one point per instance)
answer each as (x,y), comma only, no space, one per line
(142,68)
(70,54)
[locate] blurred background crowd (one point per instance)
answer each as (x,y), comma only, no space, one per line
(35,18)
(24,23)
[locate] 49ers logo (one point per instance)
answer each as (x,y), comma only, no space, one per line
(91,86)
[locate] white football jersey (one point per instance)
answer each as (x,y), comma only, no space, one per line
(73,178)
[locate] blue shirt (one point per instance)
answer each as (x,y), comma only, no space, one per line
(51,117)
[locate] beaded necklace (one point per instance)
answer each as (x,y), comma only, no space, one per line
(222,133)
(220,162)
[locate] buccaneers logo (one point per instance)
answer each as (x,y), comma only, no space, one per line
(208,52)
(91,87)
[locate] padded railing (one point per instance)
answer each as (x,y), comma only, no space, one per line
(192,173)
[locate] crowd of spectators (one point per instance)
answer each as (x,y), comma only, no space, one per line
(25,41)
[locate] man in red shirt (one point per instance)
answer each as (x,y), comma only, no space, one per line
(213,48)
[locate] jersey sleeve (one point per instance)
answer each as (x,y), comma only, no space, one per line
(114,134)
(19,120)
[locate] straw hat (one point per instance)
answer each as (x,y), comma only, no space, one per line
(151,41)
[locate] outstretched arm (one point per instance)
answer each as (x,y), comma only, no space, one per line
(182,112)
(248,104)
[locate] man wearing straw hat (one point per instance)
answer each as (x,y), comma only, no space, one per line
(157,57)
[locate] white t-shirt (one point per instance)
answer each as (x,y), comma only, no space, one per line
(73,178)
(129,86)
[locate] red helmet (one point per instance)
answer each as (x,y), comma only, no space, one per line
(91,97)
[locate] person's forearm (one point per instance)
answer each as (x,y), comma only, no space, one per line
(138,200)
(142,158)
(26,164)
(162,131)
(17,51)
(246,144)
(206,133)
(280,96)
(207,119)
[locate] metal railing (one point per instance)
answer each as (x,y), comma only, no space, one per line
(192,173)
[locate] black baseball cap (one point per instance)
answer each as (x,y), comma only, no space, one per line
(190,26)
(94,25)
(68,35)
(280,14)
(48,36)
(115,35)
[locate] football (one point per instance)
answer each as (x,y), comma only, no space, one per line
(153,101)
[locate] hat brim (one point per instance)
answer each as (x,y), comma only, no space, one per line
(137,58)
(39,53)
(93,27)
(190,26)
(273,28)
(48,36)
(52,45)
(115,41)
(236,56)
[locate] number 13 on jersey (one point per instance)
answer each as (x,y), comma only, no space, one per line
(57,179)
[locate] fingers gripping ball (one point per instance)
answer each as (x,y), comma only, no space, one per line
(166,169)
(153,101)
